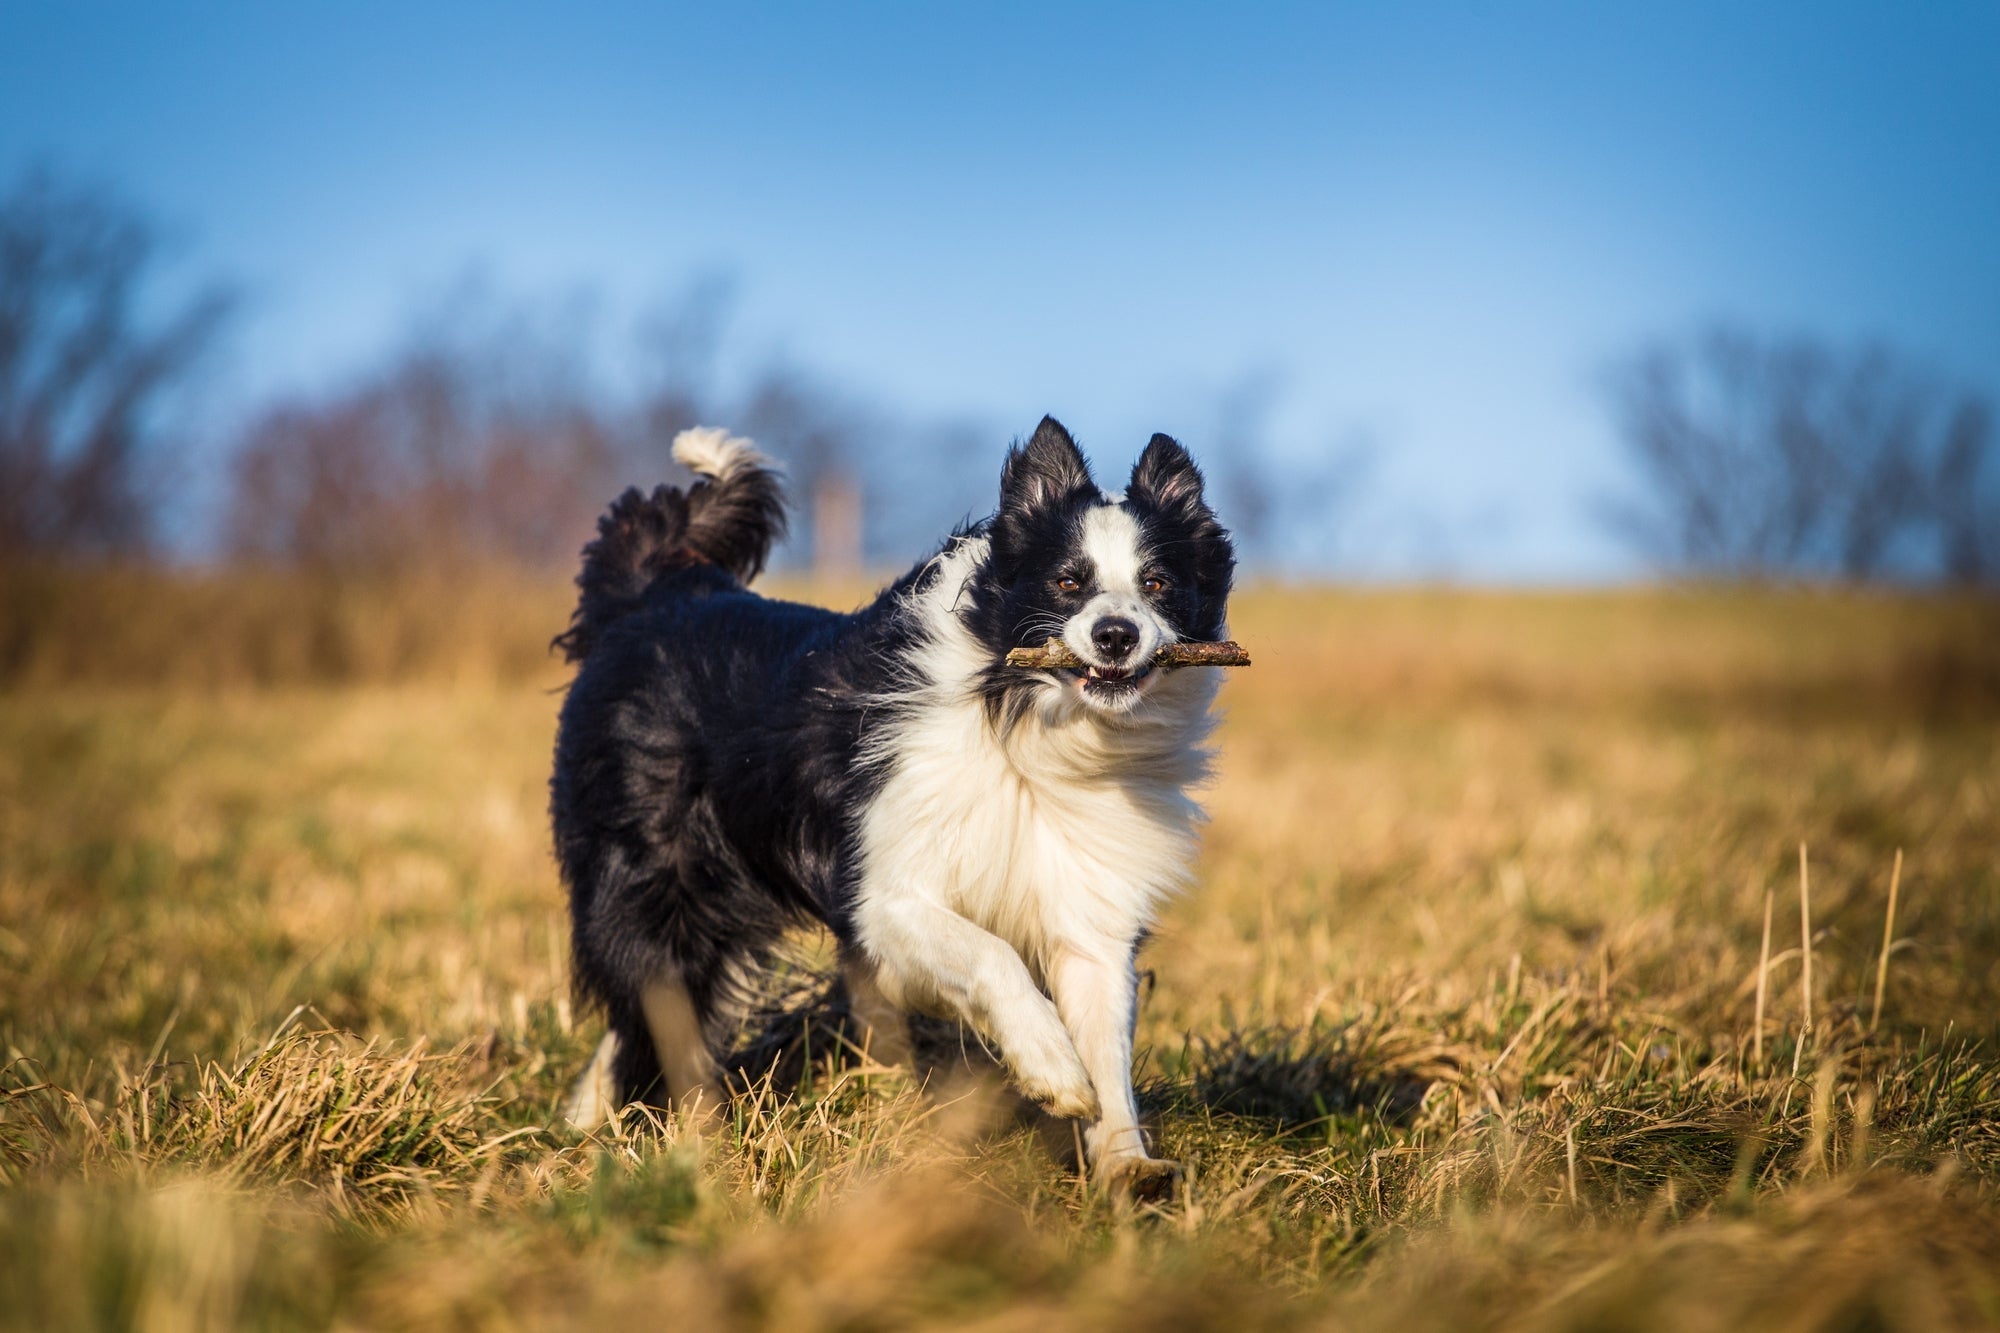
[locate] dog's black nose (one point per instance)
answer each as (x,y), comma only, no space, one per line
(1115,638)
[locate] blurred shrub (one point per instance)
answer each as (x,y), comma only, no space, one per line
(133,626)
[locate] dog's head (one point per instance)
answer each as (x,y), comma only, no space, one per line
(1114,576)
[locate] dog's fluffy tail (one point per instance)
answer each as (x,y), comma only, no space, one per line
(728,519)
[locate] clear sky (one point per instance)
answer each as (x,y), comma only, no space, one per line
(1430,226)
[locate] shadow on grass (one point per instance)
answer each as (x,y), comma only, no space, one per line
(1278,1081)
(1290,1079)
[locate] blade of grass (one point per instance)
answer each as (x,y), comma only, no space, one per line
(1888,935)
(1763,976)
(1805,948)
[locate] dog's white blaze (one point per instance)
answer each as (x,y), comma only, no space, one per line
(1111,540)
(1115,548)
(1059,835)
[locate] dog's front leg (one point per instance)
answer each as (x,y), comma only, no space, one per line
(922,950)
(1098,996)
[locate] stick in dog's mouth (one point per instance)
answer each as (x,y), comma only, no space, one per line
(1056,656)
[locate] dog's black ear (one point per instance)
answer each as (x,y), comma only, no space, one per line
(1167,479)
(1166,482)
(1047,469)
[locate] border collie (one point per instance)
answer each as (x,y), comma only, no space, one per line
(986,843)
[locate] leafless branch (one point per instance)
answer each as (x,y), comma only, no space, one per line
(87,374)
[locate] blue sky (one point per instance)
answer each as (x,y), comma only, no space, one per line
(1431,227)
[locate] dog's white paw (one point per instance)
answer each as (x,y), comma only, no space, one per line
(1069,1096)
(594,1098)
(1046,1066)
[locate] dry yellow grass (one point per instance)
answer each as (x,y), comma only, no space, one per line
(1457,1032)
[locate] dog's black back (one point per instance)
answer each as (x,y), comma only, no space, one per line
(700,783)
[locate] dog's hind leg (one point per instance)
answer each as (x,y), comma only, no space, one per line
(680,1042)
(884,1030)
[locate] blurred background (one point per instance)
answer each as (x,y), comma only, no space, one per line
(1528,295)
(1603,396)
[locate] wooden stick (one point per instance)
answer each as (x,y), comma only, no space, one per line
(1888,934)
(1056,656)
(1763,974)
(1805,946)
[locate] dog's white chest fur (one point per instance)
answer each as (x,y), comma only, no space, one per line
(1062,831)
(1021,838)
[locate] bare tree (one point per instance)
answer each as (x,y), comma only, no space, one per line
(1290,509)
(488,438)
(1766,457)
(475,444)
(88,371)
(1968,515)
(872,485)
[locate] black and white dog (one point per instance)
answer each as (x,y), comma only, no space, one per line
(986,843)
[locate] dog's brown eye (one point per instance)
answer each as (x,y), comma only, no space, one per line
(1154,584)
(1068,584)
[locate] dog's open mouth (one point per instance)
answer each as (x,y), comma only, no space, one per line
(1109,682)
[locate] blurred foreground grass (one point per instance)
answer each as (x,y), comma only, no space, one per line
(1457,1031)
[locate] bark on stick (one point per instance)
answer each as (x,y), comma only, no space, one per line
(1056,656)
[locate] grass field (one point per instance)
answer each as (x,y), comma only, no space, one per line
(1458,1030)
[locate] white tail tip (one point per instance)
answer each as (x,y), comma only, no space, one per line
(712,452)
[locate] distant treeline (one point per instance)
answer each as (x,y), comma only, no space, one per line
(491,438)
